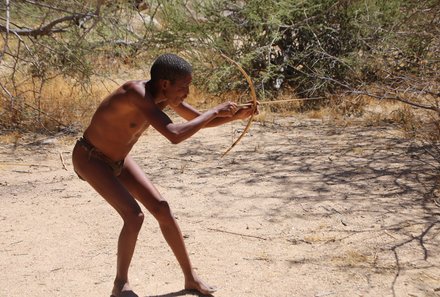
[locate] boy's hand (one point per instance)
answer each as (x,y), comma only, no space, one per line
(245,110)
(227,109)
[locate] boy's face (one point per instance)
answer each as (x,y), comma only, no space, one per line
(176,92)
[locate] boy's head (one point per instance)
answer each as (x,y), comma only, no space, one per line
(169,67)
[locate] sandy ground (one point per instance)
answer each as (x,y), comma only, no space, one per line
(298,208)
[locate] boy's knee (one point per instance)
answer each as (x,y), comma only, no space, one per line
(135,220)
(162,212)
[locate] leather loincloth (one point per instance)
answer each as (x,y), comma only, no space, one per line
(115,166)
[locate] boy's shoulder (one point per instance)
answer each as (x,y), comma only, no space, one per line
(133,89)
(134,85)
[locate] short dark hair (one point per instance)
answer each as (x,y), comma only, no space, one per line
(169,67)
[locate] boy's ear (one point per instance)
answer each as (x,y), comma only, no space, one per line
(164,84)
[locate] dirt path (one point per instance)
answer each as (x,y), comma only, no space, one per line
(298,208)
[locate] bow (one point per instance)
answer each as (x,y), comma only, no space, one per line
(254,101)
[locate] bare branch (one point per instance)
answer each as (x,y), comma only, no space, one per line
(5,46)
(397,98)
(49,28)
(97,19)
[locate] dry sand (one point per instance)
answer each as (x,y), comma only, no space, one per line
(298,208)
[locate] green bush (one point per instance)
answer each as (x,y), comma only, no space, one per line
(311,46)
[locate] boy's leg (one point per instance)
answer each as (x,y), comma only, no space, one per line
(101,178)
(143,190)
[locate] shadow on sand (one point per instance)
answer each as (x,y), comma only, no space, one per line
(181,293)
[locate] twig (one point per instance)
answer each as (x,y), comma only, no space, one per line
(239,234)
(398,98)
(98,17)
(389,234)
(62,161)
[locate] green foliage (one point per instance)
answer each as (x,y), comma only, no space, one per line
(312,46)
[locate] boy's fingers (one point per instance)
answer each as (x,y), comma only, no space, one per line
(244,105)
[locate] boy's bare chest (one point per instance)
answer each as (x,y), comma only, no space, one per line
(136,124)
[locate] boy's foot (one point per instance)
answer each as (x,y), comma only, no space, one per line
(126,294)
(123,291)
(200,286)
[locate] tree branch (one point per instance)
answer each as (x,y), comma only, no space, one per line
(5,46)
(397,98)
(47,29)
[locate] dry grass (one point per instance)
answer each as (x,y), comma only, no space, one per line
(317,238)
(200,99)
(354,259)
(59,102)
(11,137)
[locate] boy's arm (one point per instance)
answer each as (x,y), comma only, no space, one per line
(178,132)
(188,112)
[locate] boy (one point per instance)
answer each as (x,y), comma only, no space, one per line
(101,157)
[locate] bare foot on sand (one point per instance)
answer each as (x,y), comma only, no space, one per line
(198,285)
(123,290)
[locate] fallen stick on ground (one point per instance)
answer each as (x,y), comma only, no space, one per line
(62,161)
(239,234)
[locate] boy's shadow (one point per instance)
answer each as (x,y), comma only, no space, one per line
(182,293)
